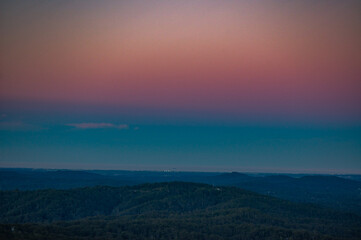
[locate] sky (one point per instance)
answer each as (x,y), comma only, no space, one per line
(202,85)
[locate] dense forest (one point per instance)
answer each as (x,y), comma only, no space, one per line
(339,192)
(175,210)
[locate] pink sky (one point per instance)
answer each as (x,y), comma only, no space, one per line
(294,59)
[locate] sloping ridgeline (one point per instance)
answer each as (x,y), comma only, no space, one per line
(173,210)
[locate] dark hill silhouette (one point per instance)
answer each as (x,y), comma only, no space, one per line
(162,210)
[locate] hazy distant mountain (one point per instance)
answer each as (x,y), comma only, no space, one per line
(330,191)
(59,179)
(227,179)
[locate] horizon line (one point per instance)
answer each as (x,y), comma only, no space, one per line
(249,171)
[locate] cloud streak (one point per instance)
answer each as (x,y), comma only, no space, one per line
(98,125)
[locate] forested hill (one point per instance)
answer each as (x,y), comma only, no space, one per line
(163,211)
(330,191)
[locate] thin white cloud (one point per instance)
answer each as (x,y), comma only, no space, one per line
(98,125)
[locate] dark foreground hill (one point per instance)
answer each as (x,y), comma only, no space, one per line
(173,210)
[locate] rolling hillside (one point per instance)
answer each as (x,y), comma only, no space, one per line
(163,211)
